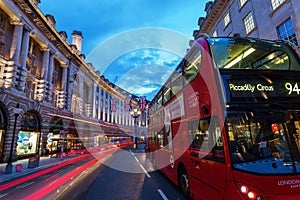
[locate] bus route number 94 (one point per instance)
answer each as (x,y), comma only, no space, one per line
(292,88)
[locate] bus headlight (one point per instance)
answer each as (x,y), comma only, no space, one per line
(250,193)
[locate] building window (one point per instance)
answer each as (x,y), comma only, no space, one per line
(57,75)
(214,34)
(276,3)
(2,21)
(243,2)
(249,23)
(226,19)
(29,89)
(286,31)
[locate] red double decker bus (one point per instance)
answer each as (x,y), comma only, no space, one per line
(226,124)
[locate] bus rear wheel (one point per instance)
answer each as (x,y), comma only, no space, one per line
(183,182)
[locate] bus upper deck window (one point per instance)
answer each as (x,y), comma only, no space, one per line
(277,60)
(191,65)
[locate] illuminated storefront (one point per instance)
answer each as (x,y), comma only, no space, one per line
(55,136)
(27,143)
(29,135)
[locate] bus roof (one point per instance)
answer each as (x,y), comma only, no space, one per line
(253,53)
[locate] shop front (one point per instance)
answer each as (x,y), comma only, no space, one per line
(29,135)
(27,143)
(73,140)
(55,136)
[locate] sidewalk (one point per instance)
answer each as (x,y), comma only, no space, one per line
(44,162)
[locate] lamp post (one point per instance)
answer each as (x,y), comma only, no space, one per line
(135,113)
(8,169)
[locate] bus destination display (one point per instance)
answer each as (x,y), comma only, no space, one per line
(264,88)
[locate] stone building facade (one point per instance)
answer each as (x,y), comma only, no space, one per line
(267,19)
(62,100)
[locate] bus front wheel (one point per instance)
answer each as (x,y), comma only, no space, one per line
(183,182)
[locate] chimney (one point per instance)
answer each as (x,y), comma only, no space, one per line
(208,7)
(63,35)
(51,20)
(35,3)
(77,40)
(201,20)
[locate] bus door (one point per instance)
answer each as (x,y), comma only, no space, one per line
(207,168)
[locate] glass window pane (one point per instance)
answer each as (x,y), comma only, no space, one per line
(226,19)
(243,2)
(249,23)
(286,31)
(261,137)
(276,3)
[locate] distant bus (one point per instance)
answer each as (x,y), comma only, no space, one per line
(226,123)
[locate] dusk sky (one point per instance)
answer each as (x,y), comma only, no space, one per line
(135,43)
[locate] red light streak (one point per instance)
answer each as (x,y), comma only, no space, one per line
(60,181)
(32,176)
(40,173)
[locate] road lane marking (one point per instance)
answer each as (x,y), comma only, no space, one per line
(25,185)
(162,194)
(145,171)
(3,195)
(137,160)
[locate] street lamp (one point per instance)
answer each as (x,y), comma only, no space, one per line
(17,111)
(135,113)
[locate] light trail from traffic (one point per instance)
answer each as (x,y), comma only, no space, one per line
(43,192)
(40,173)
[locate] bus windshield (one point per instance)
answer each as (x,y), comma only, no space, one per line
(264,142)
(247,53)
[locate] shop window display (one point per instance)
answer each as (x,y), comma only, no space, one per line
(27,143)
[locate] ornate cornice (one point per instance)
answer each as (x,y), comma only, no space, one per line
(213,16)
(37,17)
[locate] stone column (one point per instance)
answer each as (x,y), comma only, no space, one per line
(107,110)
(64,77)
(42,86)
(64,83)
(50,70)
(48,77)
(15,48)
(45,65)
(103,112)
(24,54)
(93,100)
(12,67)
(70,90)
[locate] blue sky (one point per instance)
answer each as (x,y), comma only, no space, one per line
(135,43)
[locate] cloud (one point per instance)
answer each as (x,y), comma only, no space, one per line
(142,71)
(145,60)
(143,49)
(118,45)
(119,35)
(145,80)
